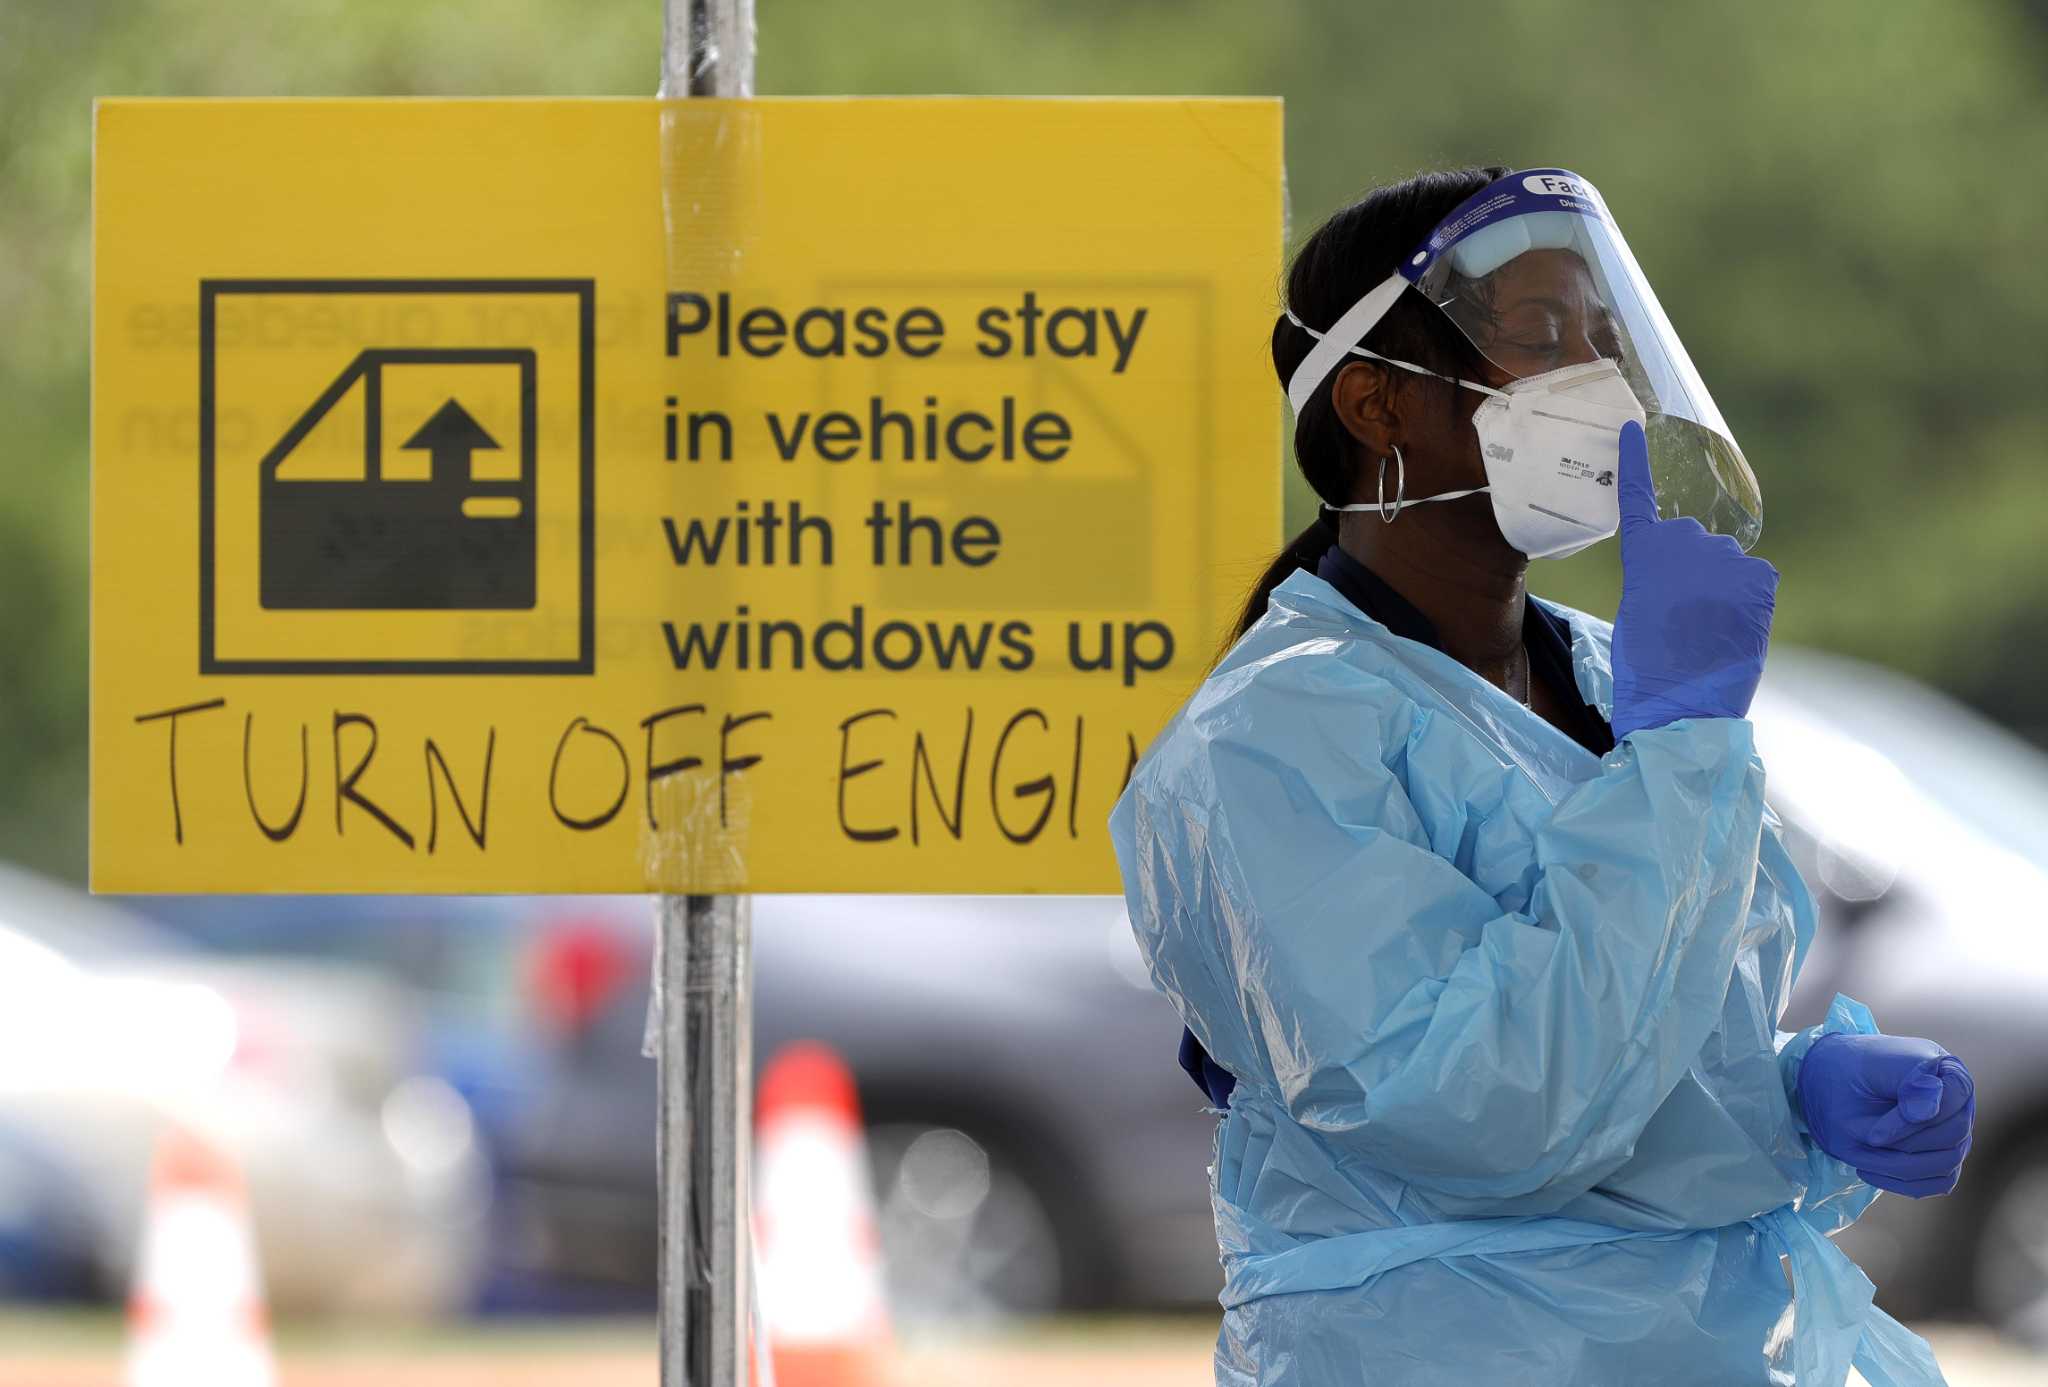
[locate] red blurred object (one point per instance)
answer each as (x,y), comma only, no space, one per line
(186,1163)
(576,967)
(262,1044)
(807,1075)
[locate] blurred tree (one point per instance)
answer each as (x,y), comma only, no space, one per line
(1836,202)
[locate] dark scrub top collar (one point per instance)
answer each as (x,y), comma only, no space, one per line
(1368,592)
(1547,636)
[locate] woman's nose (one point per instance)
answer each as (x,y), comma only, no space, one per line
(1580,351)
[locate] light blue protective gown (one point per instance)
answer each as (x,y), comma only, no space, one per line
(1511,1103)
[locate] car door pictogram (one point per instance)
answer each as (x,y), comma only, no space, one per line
(452,540)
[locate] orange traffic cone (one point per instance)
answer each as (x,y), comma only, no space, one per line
(196,1315)
(820,1255)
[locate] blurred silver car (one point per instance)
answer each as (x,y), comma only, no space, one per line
(1033,1143)
(365,1185)
(1923,830)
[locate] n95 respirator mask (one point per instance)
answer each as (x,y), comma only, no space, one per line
(1551,445)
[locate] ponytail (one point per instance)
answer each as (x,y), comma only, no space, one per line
(1304,551)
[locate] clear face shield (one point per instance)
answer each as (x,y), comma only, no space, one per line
(1534,272)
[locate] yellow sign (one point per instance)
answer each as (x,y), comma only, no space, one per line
(697,496)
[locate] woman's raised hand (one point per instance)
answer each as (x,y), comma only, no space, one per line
(1695,618)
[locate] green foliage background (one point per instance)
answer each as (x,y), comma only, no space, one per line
(1840,203)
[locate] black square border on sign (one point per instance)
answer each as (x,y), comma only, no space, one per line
(585,291)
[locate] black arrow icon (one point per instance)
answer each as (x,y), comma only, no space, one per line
(449,438)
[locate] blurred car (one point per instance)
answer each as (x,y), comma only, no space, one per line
(364,1183)
(1033,1144)
(47,1247)
(454,959)
(1923,830)
(482,1025)
(1036,1145)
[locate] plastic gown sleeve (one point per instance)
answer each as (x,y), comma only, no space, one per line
(1836,1195)
(1482,1041)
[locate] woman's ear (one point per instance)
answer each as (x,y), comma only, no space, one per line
(1363,395)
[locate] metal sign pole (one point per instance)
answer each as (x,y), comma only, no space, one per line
(703,1141)
(705,985)
(707,48)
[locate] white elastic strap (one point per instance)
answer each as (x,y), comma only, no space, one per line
(1398,506)
(1342,337)
(1342,340)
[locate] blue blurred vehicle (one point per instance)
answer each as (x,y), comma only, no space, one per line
(47,1250)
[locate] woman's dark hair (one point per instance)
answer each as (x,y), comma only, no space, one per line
(1345,257)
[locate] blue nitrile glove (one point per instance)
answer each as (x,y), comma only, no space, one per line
(1695,616)
(1897,1109)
